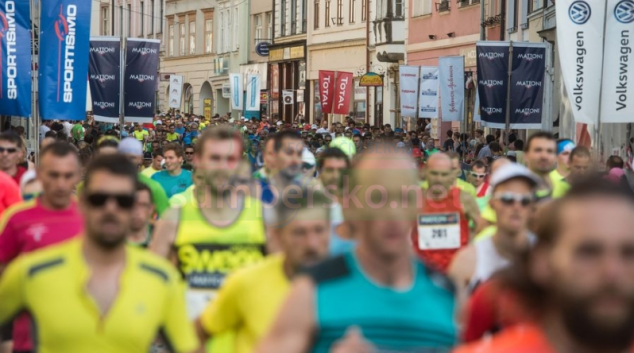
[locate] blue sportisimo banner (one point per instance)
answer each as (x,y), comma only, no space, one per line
(105,78)
(142,59)
(493,64)
(527,85)
(15,58)
(64,47)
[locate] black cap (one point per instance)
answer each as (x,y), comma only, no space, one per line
(147,155)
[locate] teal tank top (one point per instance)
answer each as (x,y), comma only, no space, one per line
(417,320)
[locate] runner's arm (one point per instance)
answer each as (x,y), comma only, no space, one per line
(471,208)
(12,291)
(222,314)
(177,330)
(460,272)
(165,233)
(293,329)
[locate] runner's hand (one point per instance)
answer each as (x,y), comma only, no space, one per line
(353,342)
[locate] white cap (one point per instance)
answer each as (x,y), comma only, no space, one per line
(132,146)
(232,120)
(308,157)
(279,123)
(243,118)
(513,171)
(313,127)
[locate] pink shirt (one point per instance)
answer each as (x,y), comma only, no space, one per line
(26,227)
(9,192)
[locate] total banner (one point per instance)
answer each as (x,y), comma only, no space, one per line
(253,93)
(176,91)
(326,90)
(527,85)
(104,78)
(408,78)
(141,71)
(617,104)
(15,58)
(582,23)
(493,67)
(452,88)
(343,93)
(65,38)
(429,86)
(237,98)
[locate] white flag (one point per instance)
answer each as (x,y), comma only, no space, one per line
(253,93)
(237,92)
(176,90)
(580,27)
(617,100)
(428,101)
(451,72)
(409,90)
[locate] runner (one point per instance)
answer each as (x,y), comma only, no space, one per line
(157,164)
(288,148)
(91,294)
(580,164)
(250,299)
(412,307)
(443,223)
(541,159)
(268,160)
(478,178)
(564,148)
(49,219)
(9,192)
(174,179)
(10,146)
(140,225)
(577,282)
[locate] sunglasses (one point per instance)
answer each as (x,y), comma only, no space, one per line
(188,153)
(125,202)
(9,150)
(479,176)
(306,166)
(509,199)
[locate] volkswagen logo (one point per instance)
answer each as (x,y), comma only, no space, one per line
(579,12)
(624,11)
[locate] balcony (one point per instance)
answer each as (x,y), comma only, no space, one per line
(388,36)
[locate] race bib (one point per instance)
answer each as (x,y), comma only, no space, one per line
(439,231)
(197,300)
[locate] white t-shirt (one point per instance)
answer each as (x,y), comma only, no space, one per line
(43,130)
(67,128)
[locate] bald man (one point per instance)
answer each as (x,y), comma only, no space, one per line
(380,274)
(443,220)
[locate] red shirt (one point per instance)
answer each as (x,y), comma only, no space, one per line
(18,175)
(483,190)
(9,192)
(27,227)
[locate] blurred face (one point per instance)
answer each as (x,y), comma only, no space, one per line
(348,134)
(455,168)
(512,202)
(156,162)
(387,129)
(590,272)
(328,139)
(477,176)
(107,204)
(540,157)
(269,154)
(440,175)
(218,162)
(189,154)
(289,158)
(172,161)
(142,211)
(304,240)
(580,166)
(331,173)
(58,176)
(9,155)
(357,141)
(324,124)
(172,129)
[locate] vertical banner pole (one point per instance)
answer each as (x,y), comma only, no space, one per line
(508,94)
(122,72)
(35,116)
(547,110)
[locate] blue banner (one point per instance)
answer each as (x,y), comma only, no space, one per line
(105,78)
(527,86)
(493,64)
(142,59)
(64,47)
(15,58)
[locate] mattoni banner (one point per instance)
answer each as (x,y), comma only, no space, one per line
(408,78)
(617,101)
(237,91)
(452,87)
(104,77)
(63,71)
(493,66)
(141,74)
(15,58)
(326,90)
(581,23)
(253,93)
(343,93)
(527,85)
(429,86)
(176,91)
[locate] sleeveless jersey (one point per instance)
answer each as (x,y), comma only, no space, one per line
(418,319)
(488,262)
(442,229)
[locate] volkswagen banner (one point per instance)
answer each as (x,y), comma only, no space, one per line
(493,66)
(15,58)
(452,87)
(237,91)
(253,93)
(428,98)
(176,91)
(65,44)
(408,78)
(581,24)
(141,75)
(617,100)
(104,77)
(527,85)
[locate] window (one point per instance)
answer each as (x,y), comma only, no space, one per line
(283,18)
(171,40)
(535,5)
(181,34)
(352,9)
(105,21)
(142,18)
(152,17)
(129,20)
(364,10)
(304,15)
(269,26)
(422,7)
(293,17)
(511,16)
(161,17)
(399,8)
(316,18)
(258,28)
(236,29)
(339,20)
(221,45)
(192,37)
(209,35)
(327,16)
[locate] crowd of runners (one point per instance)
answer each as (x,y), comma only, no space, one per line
(233,235)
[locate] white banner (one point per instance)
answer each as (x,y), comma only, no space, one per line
(617,102)
(428,101)
(452,87)
(287,97)
(477,118)
(253,93)
(237,91)
(409,90)
(581,53)
(176,91)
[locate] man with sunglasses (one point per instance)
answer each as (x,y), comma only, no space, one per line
(49,219)
(189,158)
(10,146)
(478,178)
(55,285)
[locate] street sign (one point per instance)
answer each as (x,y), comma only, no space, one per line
(262,49)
